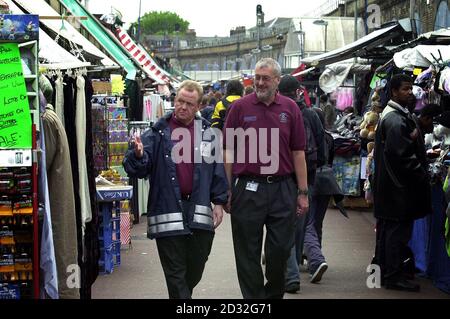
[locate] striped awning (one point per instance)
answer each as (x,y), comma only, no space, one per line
(143,58)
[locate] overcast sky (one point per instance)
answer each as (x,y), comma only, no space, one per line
(209,17)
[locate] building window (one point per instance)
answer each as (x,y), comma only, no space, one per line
(442,16)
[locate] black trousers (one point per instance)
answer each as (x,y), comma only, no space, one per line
(392,245)
(273,206)
(183,260)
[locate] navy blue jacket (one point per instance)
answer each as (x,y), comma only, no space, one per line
(166,216)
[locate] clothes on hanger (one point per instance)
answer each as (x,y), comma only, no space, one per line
(62,203)
(59,95)
(80,124)
(92,255)
(47,259)
(73,91)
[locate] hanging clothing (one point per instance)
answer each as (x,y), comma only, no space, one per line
(88,250)
(91,243)
(80,124)
(132,90)
(59,95)
(62,203)
(47,261)
(153,108)
(69,117)
(344,98)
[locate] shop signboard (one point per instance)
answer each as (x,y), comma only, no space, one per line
(15,119)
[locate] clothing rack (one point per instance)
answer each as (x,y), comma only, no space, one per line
(48,70)
(101,68)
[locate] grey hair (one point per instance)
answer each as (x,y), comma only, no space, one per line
(269,63)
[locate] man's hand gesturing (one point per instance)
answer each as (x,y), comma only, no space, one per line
(138,147)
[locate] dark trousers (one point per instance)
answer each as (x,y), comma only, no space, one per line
(273,206)
(319,206)
(183,260)
(392,242)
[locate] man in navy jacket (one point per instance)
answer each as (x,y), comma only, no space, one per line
(177,155)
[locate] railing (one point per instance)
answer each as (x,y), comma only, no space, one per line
(253,36)
(325,8)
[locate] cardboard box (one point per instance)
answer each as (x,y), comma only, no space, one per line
(101,87)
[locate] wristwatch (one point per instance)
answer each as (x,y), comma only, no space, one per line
(303,192)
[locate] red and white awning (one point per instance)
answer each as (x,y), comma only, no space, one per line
(143,58)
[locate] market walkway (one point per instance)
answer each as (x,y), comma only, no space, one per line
(348,247)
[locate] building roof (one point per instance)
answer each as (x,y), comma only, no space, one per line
(339,32)
(359,47)
(277,23)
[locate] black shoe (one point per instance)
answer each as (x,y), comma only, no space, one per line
(317,275)
(292,288)
(403,285)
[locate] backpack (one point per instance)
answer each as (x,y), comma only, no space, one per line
(311,144)
(223,113)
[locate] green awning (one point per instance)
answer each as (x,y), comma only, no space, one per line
(95,29)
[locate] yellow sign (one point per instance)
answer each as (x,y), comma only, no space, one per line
(118,86)
(417,71)
(15,118)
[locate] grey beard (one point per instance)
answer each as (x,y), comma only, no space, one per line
(263,97)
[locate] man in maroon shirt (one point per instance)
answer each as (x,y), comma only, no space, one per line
(180,216)
(264,142)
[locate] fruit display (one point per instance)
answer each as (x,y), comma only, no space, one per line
(112,175)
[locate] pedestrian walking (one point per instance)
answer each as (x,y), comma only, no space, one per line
(265,193)
(180,216)
(315,156)
(234,91)
(402,191)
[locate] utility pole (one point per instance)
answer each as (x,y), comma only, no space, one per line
(177,44)
(412,5)
(366,27)
(139,23)
(355,37)
(238,54)
(355,111)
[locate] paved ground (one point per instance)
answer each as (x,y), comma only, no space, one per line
(348,247)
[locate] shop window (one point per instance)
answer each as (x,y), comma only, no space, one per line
(442,16)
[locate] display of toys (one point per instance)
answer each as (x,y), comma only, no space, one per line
(368,125)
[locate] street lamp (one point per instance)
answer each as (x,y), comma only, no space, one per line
(325,24)
(259,22)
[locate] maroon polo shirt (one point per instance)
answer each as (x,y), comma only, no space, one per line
(283,114)
(185,170)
